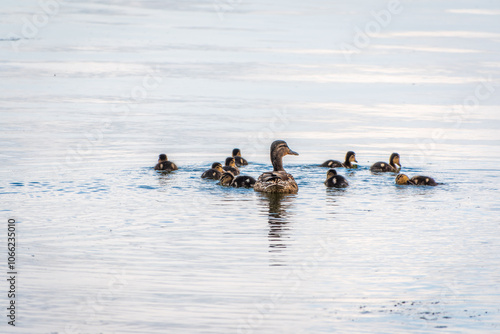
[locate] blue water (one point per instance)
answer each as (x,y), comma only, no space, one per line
(108,245)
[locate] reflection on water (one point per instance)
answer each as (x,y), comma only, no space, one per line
(277,207)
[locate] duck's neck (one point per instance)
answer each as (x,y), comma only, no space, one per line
(277,161)
(347,163)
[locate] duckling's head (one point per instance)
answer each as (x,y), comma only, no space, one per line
(331,173)
(218,167)
(279,149)
(162,157)
(350,157)
(226,179)
(403,179)
(230,162)
(236,152)
(394,160)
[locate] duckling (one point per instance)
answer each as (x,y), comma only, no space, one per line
(214,173)
(164,164)
(277,181)
(394,165)
(226,179)
(418,180)
(244,181)
(334,180)
(238,159)
(231,166)
(350,157)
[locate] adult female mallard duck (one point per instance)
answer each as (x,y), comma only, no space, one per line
(240,161)
(277,181)
(231,166)
(394,165)
(350,157)
(242,181)
(164,164)
(214,173)
(335,181)
(418,180)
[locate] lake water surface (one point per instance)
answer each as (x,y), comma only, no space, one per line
(93,91)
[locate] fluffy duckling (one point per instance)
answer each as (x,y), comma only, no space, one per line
(350,159)
(418,180)
(335,181)
(231,166)
(164,164)
(242,181)
(214,173)
(240,161)
(394,165)
(226,179)
(277,181)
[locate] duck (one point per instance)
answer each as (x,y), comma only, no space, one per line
(335,181)
(240,161)
(419,180)
(277,181)
(394,165)
(350,157)
(231,166)
(164,164)
(214,173)
(226,179)
(242,181)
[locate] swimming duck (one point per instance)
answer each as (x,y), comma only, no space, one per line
(226,179)
(238,159)
(393,166)
(335,181)
(277,181)
(231,166)
(214,173)
(350,157)
(242,181)
(164,164)
(418,180)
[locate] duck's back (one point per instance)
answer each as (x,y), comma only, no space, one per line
(166,166)
(420,180)
(337,181)
(381,167)
(276,182)
(331,164)
(232,170)
(211,174)
(240,161)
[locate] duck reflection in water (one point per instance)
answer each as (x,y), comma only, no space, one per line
(278,215)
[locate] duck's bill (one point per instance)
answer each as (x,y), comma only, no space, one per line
(293,153)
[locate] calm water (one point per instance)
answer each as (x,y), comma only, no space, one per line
(92,95)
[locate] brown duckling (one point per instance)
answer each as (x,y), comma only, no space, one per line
(240,161)
(214,173)
(226,179)
(335,181)
(350,161)
(277,181)
(164,164)
(394,165)
(418,180)
(231,166)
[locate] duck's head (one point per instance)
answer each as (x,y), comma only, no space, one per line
(279,149)
(230,162)
(403,179)
(218,167)
(226,179)
(162,157)
(350,157)
(236,152)
(394,160)
(331,173)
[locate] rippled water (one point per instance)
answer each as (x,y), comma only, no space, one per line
(108,245)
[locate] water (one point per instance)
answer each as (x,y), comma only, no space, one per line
(108,245)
